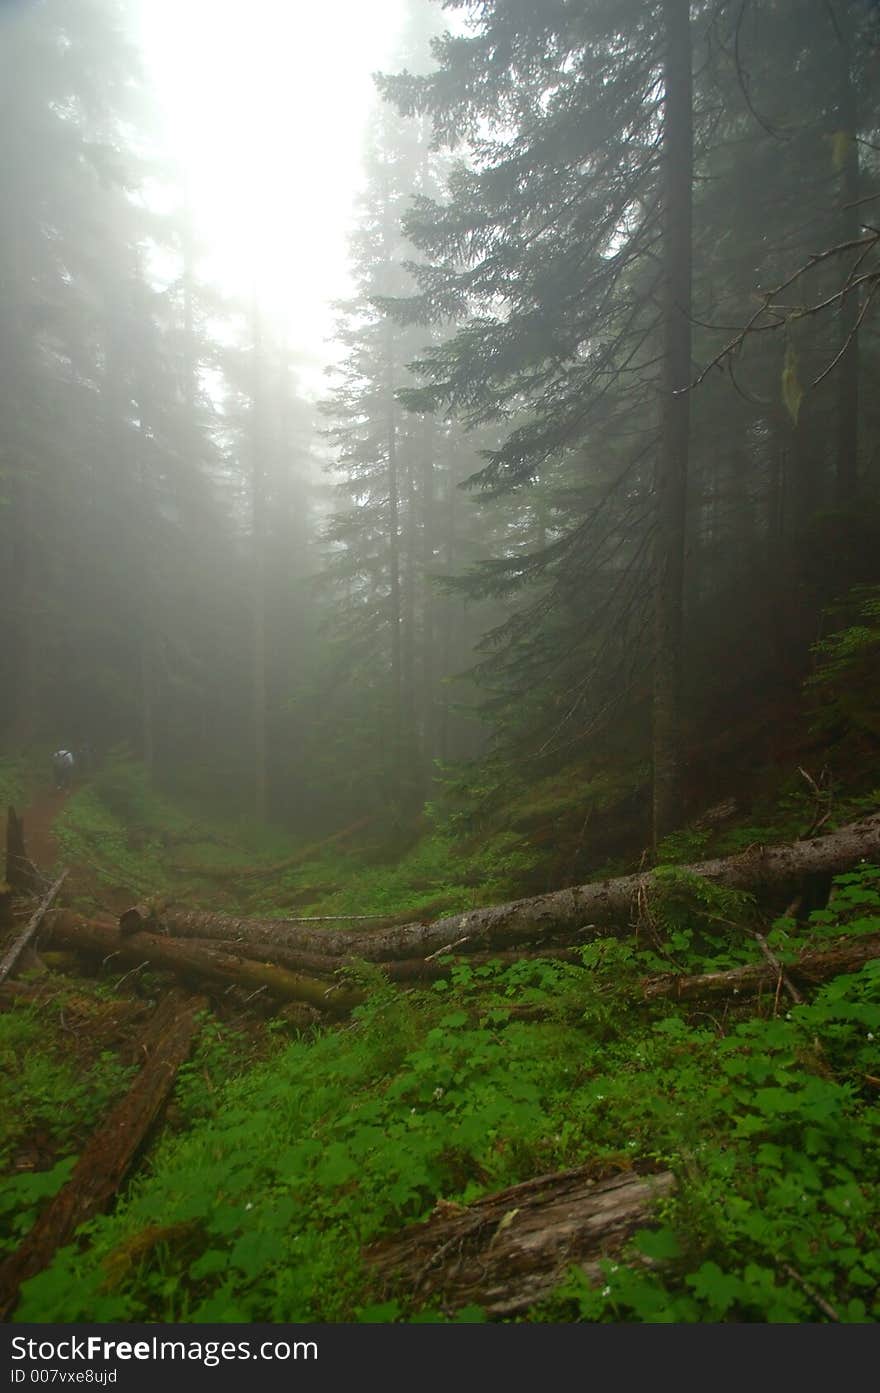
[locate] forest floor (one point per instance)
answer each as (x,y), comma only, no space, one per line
(287,1154)
(39,819)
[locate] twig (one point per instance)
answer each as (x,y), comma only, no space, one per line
(131,972)
(849,338)
(784,978)
(332,918)
(811,1291)
(869,198)
(810,780)
(783,314)
(823,794)
(447,948)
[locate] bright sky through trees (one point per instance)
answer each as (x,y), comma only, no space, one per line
(264,105)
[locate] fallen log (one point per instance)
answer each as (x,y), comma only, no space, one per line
(402,970)
(10,958)
(22,876)
(287,974)
(512,1249)
(211,969)
(110,1153)
(582,912)
(812,967)
(137,918)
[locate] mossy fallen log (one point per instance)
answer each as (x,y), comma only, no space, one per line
(810,968)
(578,914)
(211,969)
(402,970)
(289,975)
(115,1144)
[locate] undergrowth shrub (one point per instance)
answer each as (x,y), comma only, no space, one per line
(121,785)
(766,1112)
(12,782)
(50,1100)
(844,687)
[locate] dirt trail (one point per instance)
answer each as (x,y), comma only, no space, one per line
(42,848)
(39,819)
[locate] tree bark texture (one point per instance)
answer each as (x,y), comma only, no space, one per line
(512,1249)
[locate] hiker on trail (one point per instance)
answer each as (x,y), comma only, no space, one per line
(62,767)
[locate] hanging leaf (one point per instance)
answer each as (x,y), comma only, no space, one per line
(792,392)
(840,142)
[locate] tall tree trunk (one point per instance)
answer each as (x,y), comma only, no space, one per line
(449,524)
(148,606)
(428,714)
(394,560)
(23,671)
(847,475)
(118,389)
(148,738)
(199,521)
(258,503)
(672,463)
(411,770)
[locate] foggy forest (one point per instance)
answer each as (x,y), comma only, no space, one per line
(440,722)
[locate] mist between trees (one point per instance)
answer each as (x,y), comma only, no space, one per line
(599,446)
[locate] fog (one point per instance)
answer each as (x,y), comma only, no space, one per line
(264,109)
(440,636)
(374,441)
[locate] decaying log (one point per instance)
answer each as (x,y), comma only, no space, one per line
(109,1155)
(22,876)
(10,958)
(512,1249)
(583,912)
(403,970)
(210,969)
(738,983)
(290,975)
(137,918)
(811,967)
